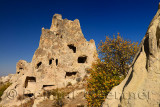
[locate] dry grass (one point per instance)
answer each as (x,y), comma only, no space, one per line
(80,105)
(20,97)
(28,104)
(59,96)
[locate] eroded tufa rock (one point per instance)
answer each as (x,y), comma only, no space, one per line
(141,87)
(61,58)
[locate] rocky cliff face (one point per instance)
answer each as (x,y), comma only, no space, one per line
(141,87)
(62,58)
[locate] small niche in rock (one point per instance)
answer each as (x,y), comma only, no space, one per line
(50,61)
(47,86)
(70,74)
(29,80)
(71,46)
(39,64)
(20,68)
(18,72)
(82,59)
(29,95)
(57,34)
(56,62)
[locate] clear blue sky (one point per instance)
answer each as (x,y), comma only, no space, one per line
(21,22)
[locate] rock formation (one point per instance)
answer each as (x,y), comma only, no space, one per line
(5,79)
(62,58)
(141,87)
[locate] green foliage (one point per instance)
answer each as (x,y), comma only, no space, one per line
(115,56)
(59,98)
(3,87)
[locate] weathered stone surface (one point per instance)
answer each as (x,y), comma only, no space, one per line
(5,79)
(141,87)
(61,59)
(75,93)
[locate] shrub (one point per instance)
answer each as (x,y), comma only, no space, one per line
(20,97)
(115,56)
(59,98)
(28,103)
(3,87)
(78,79)
(54,92)
(47,93)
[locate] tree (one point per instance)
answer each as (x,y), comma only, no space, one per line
(115,56)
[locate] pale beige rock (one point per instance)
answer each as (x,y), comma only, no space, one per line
(5,79)
(37,101)
(141,87)
(75,93)
(51,97)
(62,58)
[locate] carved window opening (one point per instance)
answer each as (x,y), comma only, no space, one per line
(29,80)
(47,85)
(20,68)
(70,74)
(71,46)
(39,64)
(82,59)
(29,95)
(51,61)
(56,62)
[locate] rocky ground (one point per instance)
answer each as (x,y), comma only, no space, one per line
(70,96)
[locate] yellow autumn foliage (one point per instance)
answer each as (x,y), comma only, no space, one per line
(115,56)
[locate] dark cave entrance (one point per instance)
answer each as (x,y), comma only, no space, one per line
(82,59)
(39,64)
(69,74)
(28,80)
(71,46)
